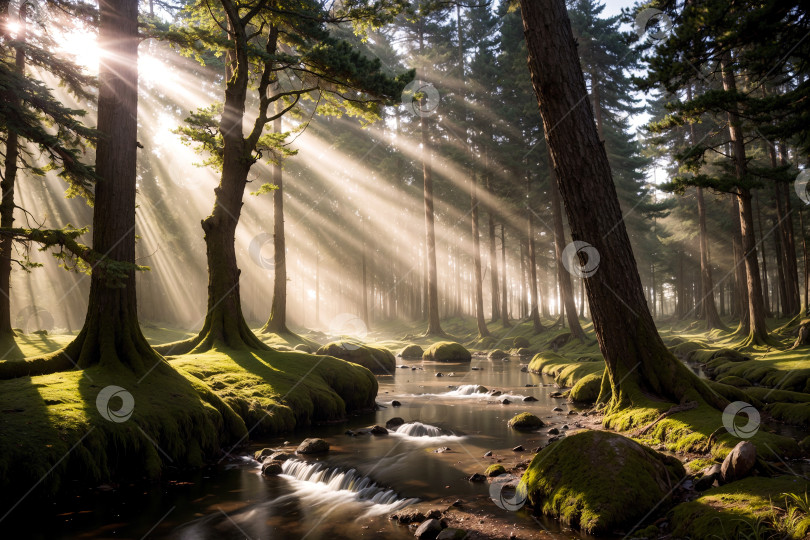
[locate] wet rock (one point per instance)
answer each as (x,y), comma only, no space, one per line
(739,461)
(475,368)
(572,413)
(495,393)
(429,530)
(378,430)
(411,351)
(452,534)
(271,468)
(557,409)
(554,431)
(413,369)
(457,503)
(556,395)
(477,477)
(394,422)
(519,448)
(439,374)
(525,422)
(530,386)
(488,454)
(312,446)
(443,450)
(447,351)
(497,354)
(524,369)
(278,457)
(530,398)
(350,433)
(260,455)
(710,475)
(495,470)
(505,401)
(565,426)
(415,514)
(403,366)
(396,403)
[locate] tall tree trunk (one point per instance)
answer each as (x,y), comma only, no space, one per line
(566,290)
(504,296)
(740,297)
(707,283)
(758,330)
(534,313)
(636,358)
(766,296)
(10,350)
(476,249)
(277,323)
(493,260)
(806,263)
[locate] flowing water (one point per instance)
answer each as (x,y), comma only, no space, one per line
(450,423)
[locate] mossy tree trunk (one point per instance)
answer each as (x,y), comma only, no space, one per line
(638,363)
(277,323)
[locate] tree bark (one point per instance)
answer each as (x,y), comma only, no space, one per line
(504,295)
(534,313)
(636,358)
(476,249)
(493,260)
(707,283)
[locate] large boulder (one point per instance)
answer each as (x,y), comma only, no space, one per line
(312,446)
(599,481)
(429,529)
(525,421)
(586,390)
(739,462)
(411,351)
(497,354)
(378,360)
(447,351)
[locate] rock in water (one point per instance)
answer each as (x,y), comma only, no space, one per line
(271,468)
(429,529)
(377,359)
(278,457)
(739,461)
(495,470)
(411,351)
(396,403)
(452,534)
(447,351)
(379,430)
(497,354)
(600,481)
(525,422)
(394,422)
(312,446)
(477,477)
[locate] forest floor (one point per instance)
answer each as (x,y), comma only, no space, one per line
(51,425)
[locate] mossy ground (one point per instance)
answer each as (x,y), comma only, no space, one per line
(192,408)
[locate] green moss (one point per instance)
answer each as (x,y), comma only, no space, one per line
(697,465)
(686,349)
(586,390)
(525,421)
(497,354)
(566,371)
(447,351)
(520,342)
(599,481)
(377,359)
(411,351)
(736,510)
(733,380)
(495,470)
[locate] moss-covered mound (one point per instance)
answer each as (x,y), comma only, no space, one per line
(496,469)
(376,359)
(751,508)
(566,371)
(586,390)
(411,351)
(599,481)
(525,421)
(497,354)
(447,351)
(520,342)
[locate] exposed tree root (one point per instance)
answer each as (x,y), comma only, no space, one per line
(675,409)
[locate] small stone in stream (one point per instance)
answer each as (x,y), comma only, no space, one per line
(494,392)
(451,374)
(259,455)
(457,503)
(394,422)
(403,366)
(554,431)
(379,430)
(413,369)
(565,426)
(530,398)
(452,534)
(271,468)
(488,454)
(475,368)
(505,402)
(555,395)
(278,456)
(312,446)
(396,403)
(572,413)
(524,369)
(519,448)
(440,374)
(529,386)
(442,450)
(557,409)
(537,449)
(477,477)
(429,529)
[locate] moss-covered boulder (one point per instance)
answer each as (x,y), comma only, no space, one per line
(447,351)
(733,380)
(303,347)
(411,351)
(497,354)
(312,446)
(525,421)
(586,390)
(520,342)
(377,359)
(495,470)
(599,481)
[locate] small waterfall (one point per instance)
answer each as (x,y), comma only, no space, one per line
(418,429)
(468,390)
(335,479)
